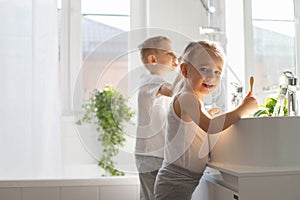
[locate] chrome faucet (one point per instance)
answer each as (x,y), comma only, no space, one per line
(291,93)
(237,96)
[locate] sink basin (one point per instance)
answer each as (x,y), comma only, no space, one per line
(265,141)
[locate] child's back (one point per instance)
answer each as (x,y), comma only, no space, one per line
(153,99)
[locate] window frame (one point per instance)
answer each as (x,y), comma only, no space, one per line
(248,35)
(297,31)
(71,51)
(71,58)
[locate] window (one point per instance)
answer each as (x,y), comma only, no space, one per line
(90,44)
(104,41)
(271,41)
(91,39)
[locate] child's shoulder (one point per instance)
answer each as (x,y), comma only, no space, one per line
(186,98)
(150,79)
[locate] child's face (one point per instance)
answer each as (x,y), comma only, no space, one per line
(167,59)
(205,76)
(165,56)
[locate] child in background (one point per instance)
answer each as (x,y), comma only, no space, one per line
(153,100)
(188,123)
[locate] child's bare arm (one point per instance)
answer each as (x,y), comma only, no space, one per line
(188,108)
(222,122)
(166,90)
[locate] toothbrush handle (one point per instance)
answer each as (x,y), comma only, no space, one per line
(251,83)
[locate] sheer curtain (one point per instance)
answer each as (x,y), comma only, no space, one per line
(29,103)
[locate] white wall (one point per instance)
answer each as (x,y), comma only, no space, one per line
(184,17)
(235,37)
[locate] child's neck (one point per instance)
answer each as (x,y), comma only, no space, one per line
(159,73)
(158,70)
(187,88)
(199,96)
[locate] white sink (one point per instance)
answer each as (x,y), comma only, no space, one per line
(266,142)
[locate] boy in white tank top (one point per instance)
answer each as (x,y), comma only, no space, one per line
(188,123)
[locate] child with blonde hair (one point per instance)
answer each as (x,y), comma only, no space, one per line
(153,100)
(188,123)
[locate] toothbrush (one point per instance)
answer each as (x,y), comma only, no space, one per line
(251,83)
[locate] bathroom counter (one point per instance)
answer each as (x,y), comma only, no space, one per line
(256,158)
(243,171)
(259,142)
(230,182)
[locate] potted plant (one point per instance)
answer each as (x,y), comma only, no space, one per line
(267,109)
(108,109)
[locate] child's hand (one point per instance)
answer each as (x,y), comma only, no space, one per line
(249,104)
(214,111)
(249,94)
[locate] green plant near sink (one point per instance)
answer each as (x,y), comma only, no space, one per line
(267,109)
(108,109)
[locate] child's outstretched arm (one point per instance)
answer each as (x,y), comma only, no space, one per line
(166,90)
(222,122)
(188,108)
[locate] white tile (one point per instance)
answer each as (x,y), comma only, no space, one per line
(80,193)
(40,193)
(10,193)
(127,192)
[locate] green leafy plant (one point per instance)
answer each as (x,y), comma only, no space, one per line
(268,108)
(108,109)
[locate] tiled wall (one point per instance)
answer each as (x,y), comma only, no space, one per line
(76,191)
(78,163)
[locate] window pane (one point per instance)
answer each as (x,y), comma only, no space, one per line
(104,43)
(121,23)
(274,52)
(273,9)
(117,7)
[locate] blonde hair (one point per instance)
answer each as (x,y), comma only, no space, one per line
(151,46)
(207,47)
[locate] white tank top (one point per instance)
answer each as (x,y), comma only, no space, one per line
(186,143)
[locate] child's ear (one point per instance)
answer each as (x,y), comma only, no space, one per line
(151,59)
(183,68)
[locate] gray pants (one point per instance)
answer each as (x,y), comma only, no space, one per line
(148,168)
(175,183)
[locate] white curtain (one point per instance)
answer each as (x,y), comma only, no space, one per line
(30,144)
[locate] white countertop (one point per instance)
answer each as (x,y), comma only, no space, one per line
(244,170)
